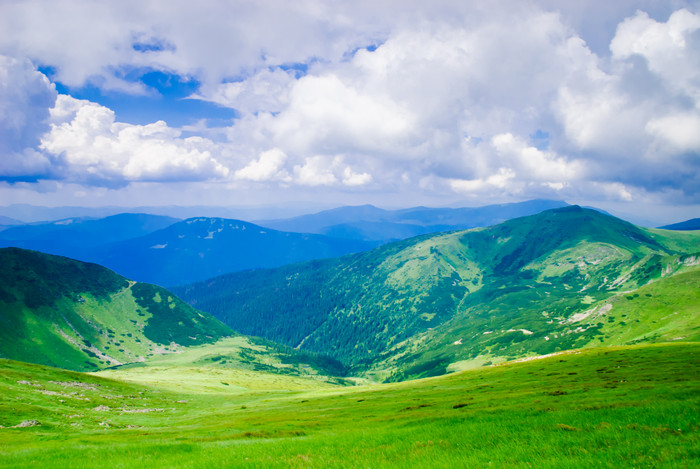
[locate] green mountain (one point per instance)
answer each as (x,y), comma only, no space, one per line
(65,313)
(438,303)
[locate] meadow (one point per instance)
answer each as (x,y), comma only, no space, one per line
(635,406)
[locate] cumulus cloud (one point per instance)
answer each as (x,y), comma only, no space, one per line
(90,145)
(25,98)
(268,167)
(670,48)
(471,98)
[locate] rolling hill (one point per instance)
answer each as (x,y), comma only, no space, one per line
(443,302)
(367,222)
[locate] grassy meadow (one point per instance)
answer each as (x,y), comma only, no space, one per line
(616,407)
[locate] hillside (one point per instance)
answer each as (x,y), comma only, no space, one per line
(367,222)
(612,407)
(65,313)
(437,303)
(199,248)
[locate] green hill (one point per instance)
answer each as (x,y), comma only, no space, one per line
(65,313)
(607,407)
(438,303)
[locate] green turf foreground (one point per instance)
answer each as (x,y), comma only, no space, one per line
(607,407)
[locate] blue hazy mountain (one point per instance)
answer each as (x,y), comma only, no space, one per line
(200,248)
(72,237)
(688,225)
(367,222)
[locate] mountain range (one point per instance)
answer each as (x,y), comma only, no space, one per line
(562,279)
(168,251)
(367,222)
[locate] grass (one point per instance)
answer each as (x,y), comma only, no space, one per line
(232,364)
(608,407)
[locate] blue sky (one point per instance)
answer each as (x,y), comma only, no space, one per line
(391,103)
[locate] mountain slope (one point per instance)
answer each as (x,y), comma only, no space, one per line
(425,305)
(73,236)
(61,312)
(199,248)
(371,223)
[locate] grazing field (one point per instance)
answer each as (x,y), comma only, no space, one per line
(607,407)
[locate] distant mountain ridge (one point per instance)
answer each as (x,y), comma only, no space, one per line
(692,224)
(73,236)
(435,303)
(368,222)
(168,251)
(200,248)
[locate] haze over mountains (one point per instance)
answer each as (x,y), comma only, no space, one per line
(370,223)
(167,252)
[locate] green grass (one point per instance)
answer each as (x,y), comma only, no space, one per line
(233,364)
(607,407)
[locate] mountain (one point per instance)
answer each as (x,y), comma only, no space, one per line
(34,213)
(692,224)
(167,251)
(80,316)
(199,248)
(442,302)
(7,221)
(73,236)
(367,222)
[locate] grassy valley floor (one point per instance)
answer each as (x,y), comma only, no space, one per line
(608,407)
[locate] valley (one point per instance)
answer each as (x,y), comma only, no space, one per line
(621,406)
(567,338)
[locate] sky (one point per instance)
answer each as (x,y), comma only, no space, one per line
(392,103)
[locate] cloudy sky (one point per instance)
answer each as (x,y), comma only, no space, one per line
(394,103)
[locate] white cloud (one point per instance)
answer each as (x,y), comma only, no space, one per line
(91,146)
(316,171)
(680,131)
(268,167)
(327,115)
(450,91)
(266,91)
(25,98)
(535,164)
(351,178)
(670,48)
(499,180)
